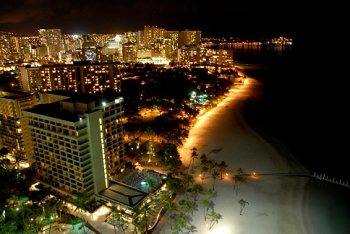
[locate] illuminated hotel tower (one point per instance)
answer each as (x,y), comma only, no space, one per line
(85,77)
(78,140)
(14,136)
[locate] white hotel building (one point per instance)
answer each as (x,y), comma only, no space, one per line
(78,140)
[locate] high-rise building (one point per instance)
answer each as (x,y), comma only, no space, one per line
(189,55)
(9,47)
(174,44)
(72,42)
(25,48)
(54,42)
(129,52)
(14,135)
(150,33)
(190,38)
(83,77)
(77,139)
(158,48)
(51,39)
(132,37)
(42,33)
(174,36)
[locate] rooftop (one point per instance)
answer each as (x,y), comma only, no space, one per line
(82,97)
(54,110)
(122,194)
(14,94)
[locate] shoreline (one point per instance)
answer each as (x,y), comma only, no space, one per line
(317,218)
(278,204)
(224,134)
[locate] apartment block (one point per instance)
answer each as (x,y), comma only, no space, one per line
(77,139)
(14,136)
(85,77)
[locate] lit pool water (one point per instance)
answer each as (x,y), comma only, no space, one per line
(143,185)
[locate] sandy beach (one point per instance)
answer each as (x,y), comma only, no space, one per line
(275,201)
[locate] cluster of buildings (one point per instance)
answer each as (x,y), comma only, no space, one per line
(74,139)
(150,45)
(67,118)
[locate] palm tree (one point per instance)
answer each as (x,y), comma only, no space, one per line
(188,206)
(211,164)
(196,190)
(65,209)
(135,218)
(238,179)
(24,214)
(8,227)
(121,214)
(242,203)
(194,156)
(187,181)
(203,159)
(171,207)
(222,167)
(215,175)
(203,171)
(80,202)
(115,214)
(214,218)
(173,183)
(211,194)
(181,221)
(150,184)
(206,203)
(51,206)
(146,211)
(240,171)
(165,196)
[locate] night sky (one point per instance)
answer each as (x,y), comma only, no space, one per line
(237,18)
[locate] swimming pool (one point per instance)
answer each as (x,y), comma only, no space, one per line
(144,185)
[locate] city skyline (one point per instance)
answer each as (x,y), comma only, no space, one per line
(224,18)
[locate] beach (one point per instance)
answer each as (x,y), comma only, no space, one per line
(278,201)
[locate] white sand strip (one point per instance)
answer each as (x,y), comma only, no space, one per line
(275,202)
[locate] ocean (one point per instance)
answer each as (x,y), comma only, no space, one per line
(304,106)
(303,103)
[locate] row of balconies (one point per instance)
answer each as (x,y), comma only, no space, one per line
(60,130)
(63,160)
(64,141)
(11,134)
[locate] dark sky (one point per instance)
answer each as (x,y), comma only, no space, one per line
(238,18)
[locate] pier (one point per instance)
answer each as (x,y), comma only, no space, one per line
(323,177)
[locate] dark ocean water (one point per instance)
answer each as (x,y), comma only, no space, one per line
(304,103)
